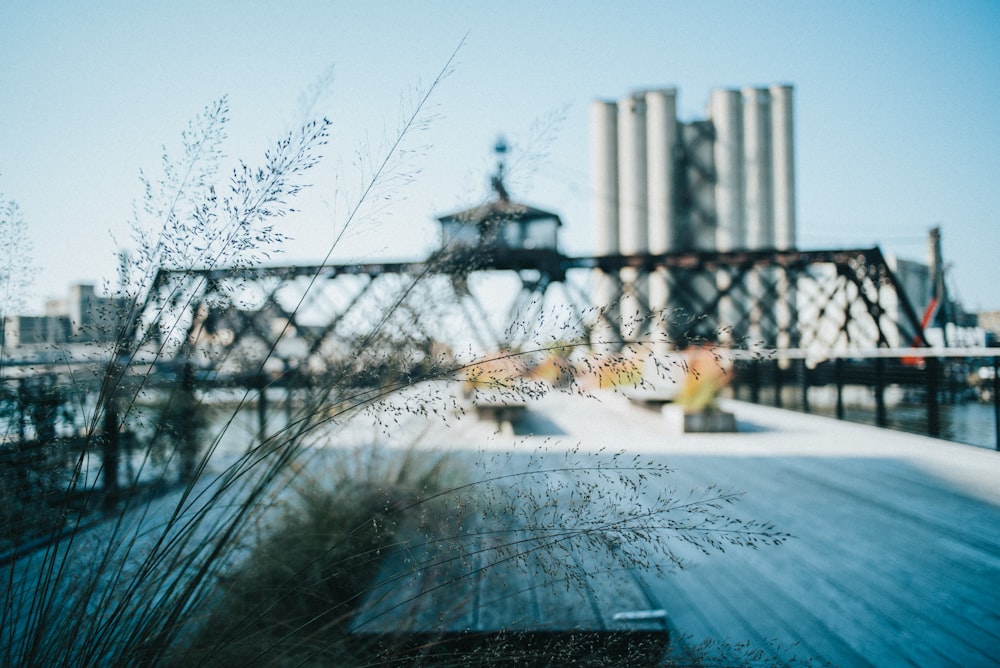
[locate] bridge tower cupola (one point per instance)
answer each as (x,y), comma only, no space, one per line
(500,226)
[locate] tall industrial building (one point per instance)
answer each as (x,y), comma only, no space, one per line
(84,317)
(723,183)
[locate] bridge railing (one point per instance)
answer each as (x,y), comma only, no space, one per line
(912,389)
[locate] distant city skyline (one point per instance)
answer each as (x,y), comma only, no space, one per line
(894,112)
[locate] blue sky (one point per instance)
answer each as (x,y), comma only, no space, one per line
(896,111)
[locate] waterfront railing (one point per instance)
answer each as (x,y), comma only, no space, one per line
(914,389)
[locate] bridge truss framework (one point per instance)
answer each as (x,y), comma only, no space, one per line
(310,318)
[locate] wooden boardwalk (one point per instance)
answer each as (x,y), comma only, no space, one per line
(894,559)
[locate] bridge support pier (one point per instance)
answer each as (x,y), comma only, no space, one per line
(933,371)
(881,417)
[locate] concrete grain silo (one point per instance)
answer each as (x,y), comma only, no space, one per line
(633,232)
(783,170)
(604,174)
(725,110)
(757,167)
(661,146)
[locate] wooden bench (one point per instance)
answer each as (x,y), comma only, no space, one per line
(653,400)
(493,592)
(497,406)
(500,412)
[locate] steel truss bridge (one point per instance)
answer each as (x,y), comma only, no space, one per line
(341,332)
(311,320)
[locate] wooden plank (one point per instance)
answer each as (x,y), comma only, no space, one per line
(422,585)
(843,566)
(824,590)
(499,579)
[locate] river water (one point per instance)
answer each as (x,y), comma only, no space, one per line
(969,422)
